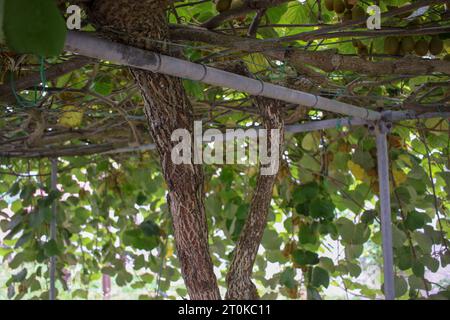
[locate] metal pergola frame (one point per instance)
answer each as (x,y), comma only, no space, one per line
(379,123)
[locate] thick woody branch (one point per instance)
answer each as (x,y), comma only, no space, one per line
(239,276)
(327,61)
(28,81)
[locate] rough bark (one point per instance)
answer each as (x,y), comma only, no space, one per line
(326,60)
(239,277)
(143,23)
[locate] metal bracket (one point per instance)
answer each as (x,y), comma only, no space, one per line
(383,126)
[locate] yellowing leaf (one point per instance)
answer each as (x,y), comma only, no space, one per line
(275,191)
(447,45)
(71,117)
(309,142)
(406,159)
(256,62)
(399,176)
(356,170)
(169,250)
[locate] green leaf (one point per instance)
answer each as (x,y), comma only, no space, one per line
(403,258)
(417,283)
(17,260)
(398,237)
(150,228)
(306,193)
(351,233)
(309,142)
(312,294)
(51,248)
(363,158)
(321,208)
(80,293)
(123,277)
(368,217)
(140,199)
(431,263)
(34,27)
(354,269)
(415,220)
(308,234)
(136,238)
(327,264)
(15,189)
(23,240)
(401,286)
(103,85)
(353,251)
(320,277)
(304,257)
(19,277)
(418,269)
(287,278)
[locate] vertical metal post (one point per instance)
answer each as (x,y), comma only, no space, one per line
(52,271)
(385,208)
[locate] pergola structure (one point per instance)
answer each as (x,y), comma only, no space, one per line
(378,123)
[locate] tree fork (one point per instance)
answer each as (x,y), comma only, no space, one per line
(144,24)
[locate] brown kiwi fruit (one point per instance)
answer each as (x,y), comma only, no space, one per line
(329,5)
(223,5)
(347,15)
(407,45)
(421,47)
(348,5)
(235,4)
(391,45)
(358,13)
(338,6)
(436,46)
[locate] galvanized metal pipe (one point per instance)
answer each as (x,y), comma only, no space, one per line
(385,209)
(88,45)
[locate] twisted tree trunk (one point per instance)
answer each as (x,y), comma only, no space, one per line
(239,277)
(143,24)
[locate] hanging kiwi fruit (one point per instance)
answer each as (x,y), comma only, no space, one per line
(236,4)
(421,47)
(407,45)
(348,4)
(338,6)
(358,13)
(347,16)
(222,5)
(436,46)
(391,45)
(329,5)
